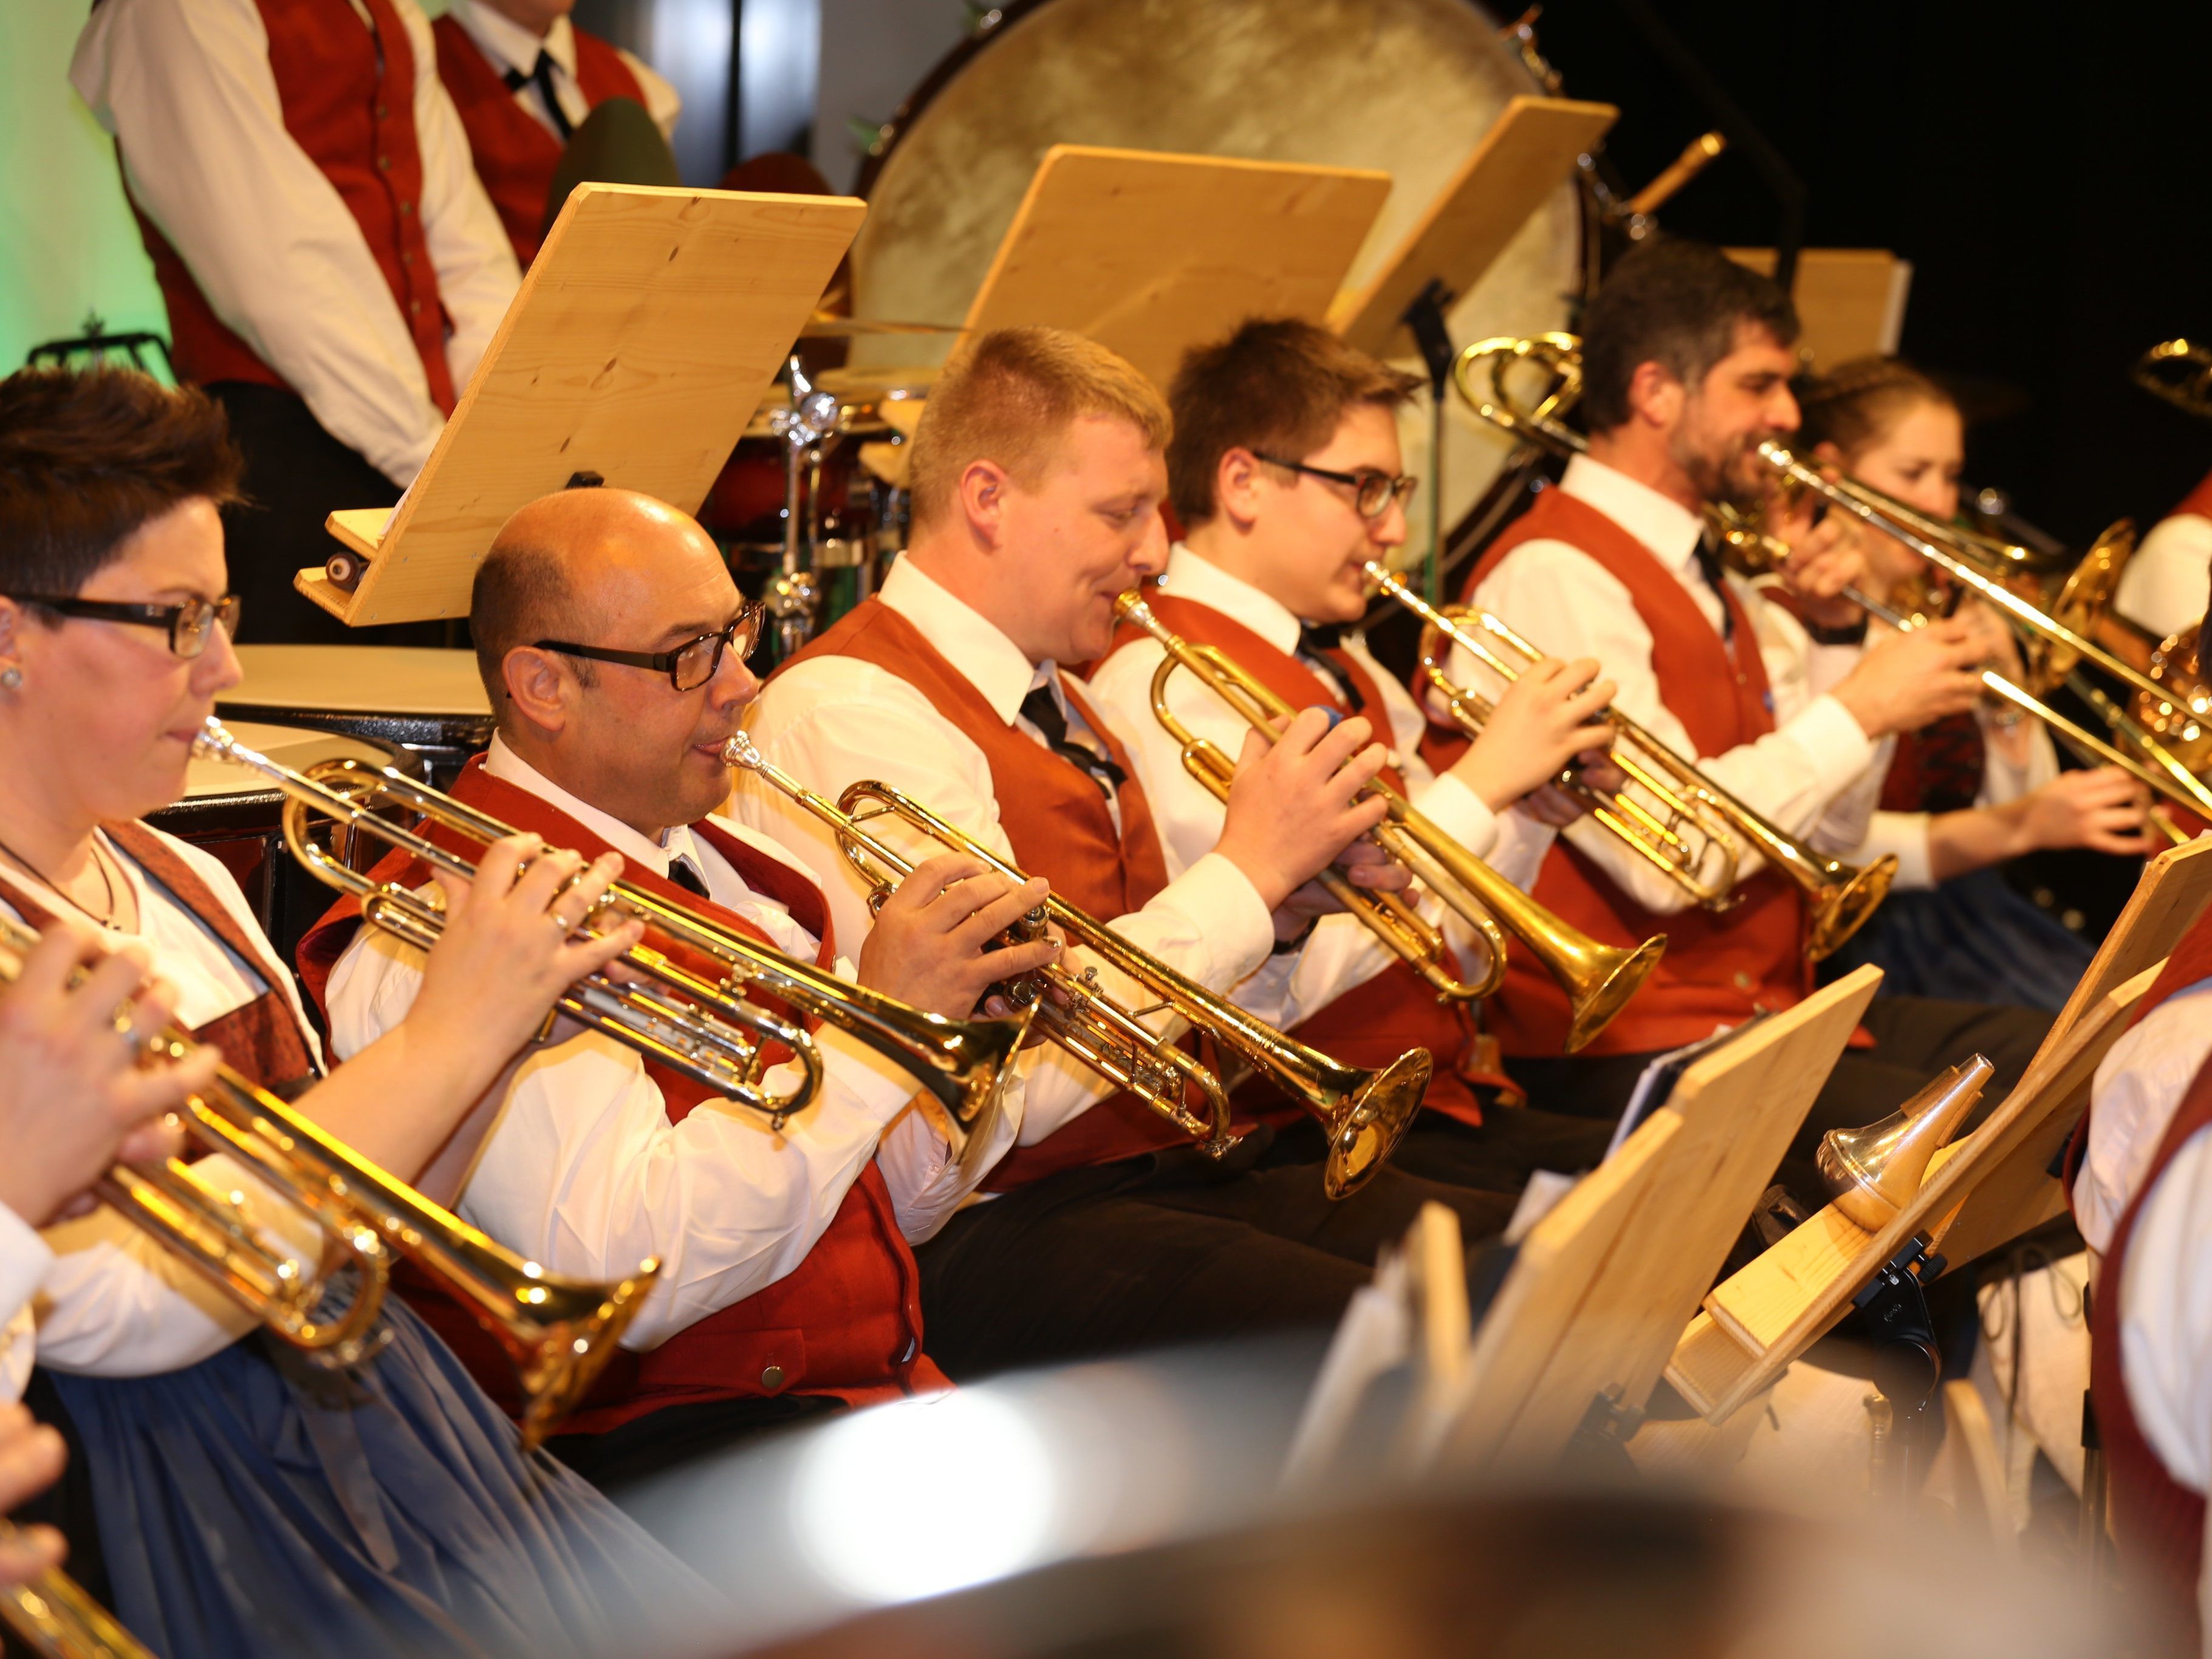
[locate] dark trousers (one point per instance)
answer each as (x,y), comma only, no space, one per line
(1499,1155)
(1915,1037)
(661,1440)
(296,475)
(1169,1248)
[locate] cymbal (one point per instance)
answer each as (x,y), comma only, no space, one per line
(822,326)
(869,384)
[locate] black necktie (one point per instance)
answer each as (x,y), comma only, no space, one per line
(541,76)
(1710,566)
(1042,709)
(1316,642)
(685,877)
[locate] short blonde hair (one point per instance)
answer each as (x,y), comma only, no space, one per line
(1010,397)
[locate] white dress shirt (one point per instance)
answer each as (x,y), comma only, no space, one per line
(834,721)
(187,88)
(24,1261)
(2166,1289)
(507,46)
(584,1171)
(109,1301)
(2164,586)
(1813,775)
(1343,952)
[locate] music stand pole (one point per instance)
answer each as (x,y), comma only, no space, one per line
(1425,318)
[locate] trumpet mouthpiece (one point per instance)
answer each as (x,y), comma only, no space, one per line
(213,741)
(1130,607)
(741,750)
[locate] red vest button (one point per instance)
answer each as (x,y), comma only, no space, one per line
(1744,982)
(772,1378)
(384,164)
(407,209)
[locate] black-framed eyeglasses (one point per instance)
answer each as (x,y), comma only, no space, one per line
(1372,489)
(188,625)
(691,663)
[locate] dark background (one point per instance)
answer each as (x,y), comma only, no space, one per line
(2043,168)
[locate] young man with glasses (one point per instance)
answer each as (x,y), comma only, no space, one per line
(1285,471)
(613,645)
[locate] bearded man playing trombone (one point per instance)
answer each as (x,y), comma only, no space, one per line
(1285,473)
(1686,360)
(1037,474)
(612,643)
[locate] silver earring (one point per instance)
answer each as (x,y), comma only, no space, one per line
(11,679)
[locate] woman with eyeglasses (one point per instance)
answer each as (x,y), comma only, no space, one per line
(244,1502)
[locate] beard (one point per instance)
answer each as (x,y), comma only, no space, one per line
(1728,473)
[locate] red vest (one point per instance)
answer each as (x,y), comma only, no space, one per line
(262,1040)
(1377,1020)
(2158,1523)
(516,153)
(1719,969)
(846,1322)
(349,101)
(1056,820)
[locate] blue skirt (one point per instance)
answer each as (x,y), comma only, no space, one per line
(1973,939)
(255,1505)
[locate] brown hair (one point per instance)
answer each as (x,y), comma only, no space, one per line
(1279,386)
(1675,303)
(87,457)
(1009,398)
(1856,404)
(521,595)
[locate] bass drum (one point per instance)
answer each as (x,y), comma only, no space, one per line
(1409,86)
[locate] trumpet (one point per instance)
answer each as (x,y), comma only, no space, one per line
(1363,1112)
(57,1618)
(706,1028)
(558,1331)
(2181,372)
(1691,834)
(1599,979)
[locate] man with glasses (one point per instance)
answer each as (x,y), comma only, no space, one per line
(1285,473)
(613,645)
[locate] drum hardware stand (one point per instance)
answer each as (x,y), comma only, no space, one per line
(1907,1369)
(1426,318)
(794,594)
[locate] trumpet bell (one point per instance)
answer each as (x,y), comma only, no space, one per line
(1599,981)
(564,1331)
(1848,897)
(1366,1126)
(1872,1173)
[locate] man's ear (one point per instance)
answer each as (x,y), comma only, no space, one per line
(1237,482)
(539,685)
(1656,394)
(984,486)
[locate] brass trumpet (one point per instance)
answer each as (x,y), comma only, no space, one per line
(1688,832)
(703,1028)
(558,1331)
(2180,372)
(58,1618)
(1599,979)
(1362,1113)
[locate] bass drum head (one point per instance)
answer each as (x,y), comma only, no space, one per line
(1409,86)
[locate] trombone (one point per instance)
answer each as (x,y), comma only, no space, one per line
(558,1331)
(704,1028)
(1599,979)
(1692,833)
(1840,897)
(1363,1112)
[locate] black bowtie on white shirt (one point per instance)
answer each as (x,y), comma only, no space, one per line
(584,1171)
(514,51)
(1816,775)
(834,721)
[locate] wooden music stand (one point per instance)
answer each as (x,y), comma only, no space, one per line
(1151,254)
(1583,1324)
(1849,300)
(1520,161)
(647,329)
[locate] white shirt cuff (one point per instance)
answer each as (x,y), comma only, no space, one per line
(1834,746)
(1225,910)
(1460,813)
(1906,835)
(24,1260)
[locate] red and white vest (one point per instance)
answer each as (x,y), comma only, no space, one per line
(845,1323)
(1377,1020)
(516,153)
(1056,817)
(349,101)
(1719,969)
(2157,1523)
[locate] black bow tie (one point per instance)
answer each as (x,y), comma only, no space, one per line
(685,877)
(1711,567)
(1042,709)
(1316,640)
(541,76)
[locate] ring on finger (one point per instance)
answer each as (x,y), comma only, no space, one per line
(126,1019)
